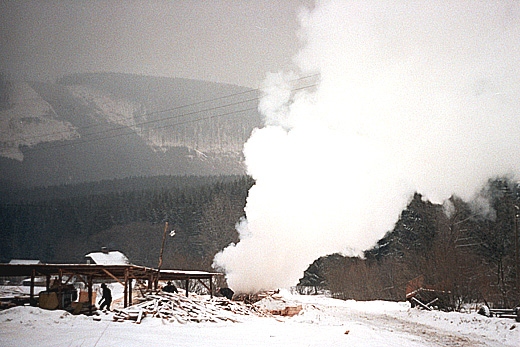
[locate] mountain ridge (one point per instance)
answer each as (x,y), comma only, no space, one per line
(98,126)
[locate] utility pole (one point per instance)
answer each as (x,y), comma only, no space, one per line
(160,256)
(162,246)
(517,275)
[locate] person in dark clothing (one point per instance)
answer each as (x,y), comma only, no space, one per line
(170,288)
(106,299)
(227,293)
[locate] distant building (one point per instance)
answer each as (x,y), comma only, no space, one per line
(15,280)
(24,262)
(106,257)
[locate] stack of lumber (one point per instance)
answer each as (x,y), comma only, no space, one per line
(176,308)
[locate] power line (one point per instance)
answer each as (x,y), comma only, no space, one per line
(125,127)
(170,110)
(65,144)
(150,114)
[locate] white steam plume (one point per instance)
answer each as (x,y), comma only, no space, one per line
(413,96)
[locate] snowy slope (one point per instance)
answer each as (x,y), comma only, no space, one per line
(322,322)
(29,121)
(195,128)
(92,127)
(109,108)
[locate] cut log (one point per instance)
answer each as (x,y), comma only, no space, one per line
(139,317)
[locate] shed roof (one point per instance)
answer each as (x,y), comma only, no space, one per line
(25,261)
(108,258)
(100,271)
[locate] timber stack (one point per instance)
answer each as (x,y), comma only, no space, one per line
(176,308)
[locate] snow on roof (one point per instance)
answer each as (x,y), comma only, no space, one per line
(24,261)
(108,258)
(188,272)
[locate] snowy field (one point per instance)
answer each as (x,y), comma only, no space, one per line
(322,322)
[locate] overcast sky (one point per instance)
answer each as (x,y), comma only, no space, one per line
(226,41)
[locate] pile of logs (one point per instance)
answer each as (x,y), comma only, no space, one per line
(176,308)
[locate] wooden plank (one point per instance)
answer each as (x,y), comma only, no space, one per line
(205,285)
(130,291)
(114,277)
(139,317)
(89,280)
(125,290)
(431,302)
(33,273)
(421,304)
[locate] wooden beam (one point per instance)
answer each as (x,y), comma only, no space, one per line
(33,273)
(150,282)
(130,292)
(71,274)
(114,277)
(125,294)
(421,304)
(187,286)
(160,256)
(89,285)
(156,282)
(431,302)
(205,286)
(60,295)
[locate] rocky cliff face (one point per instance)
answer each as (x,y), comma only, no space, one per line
(100,126)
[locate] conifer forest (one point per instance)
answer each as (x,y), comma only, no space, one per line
(467,249)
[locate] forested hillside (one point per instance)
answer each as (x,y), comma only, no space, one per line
(457,247)
(202,211)
(98,126)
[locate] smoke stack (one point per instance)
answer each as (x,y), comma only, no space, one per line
(104,250)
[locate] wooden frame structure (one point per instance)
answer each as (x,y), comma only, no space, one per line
(427,297)
(91,273)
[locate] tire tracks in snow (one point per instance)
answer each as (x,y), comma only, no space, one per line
(406,322)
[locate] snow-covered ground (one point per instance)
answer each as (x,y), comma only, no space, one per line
(322,322)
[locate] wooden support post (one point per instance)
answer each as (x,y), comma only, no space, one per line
(187,286)
(89,286)
(150,283)
(48,282)
(517,266)
(211,287)
(33,274)
(160,256)
(125,294)
(130,292)
(60,296)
